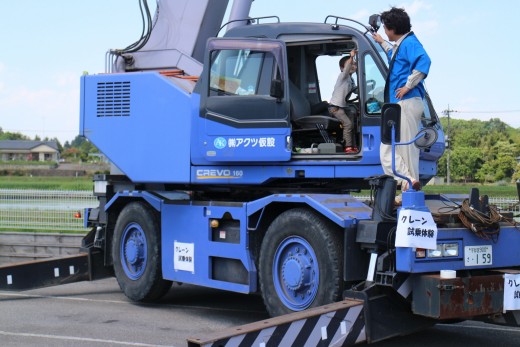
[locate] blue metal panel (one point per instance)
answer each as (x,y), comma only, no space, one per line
(349,169)
(150,140)
(370,144)
(82,106)
(255,174)
(190,224)
(343,210)
(153,200)
(230,174)
(225,143)
(247,145)
(427,169)
(505,252)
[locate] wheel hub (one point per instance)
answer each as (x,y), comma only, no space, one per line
(133,252)
(295,273)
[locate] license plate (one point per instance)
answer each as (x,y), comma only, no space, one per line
(478,255)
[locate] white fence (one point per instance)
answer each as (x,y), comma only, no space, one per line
(55,210)
(50,210)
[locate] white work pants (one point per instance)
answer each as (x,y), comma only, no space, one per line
(406,157)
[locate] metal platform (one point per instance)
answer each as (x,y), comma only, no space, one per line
(337,324)
(53,272)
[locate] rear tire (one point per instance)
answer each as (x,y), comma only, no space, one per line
(136,250)
(301,261)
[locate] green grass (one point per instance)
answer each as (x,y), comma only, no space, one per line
(489,190)
(46,183)
(43,231)
(494,191)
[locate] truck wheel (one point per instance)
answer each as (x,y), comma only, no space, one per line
(300,262)
(136,250)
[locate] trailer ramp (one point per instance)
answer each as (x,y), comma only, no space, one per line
(338,324)
(52,272)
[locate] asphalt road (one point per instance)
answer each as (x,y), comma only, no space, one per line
(98,314)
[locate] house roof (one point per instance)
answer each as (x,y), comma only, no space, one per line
(25,144)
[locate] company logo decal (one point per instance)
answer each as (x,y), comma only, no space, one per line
(220,143)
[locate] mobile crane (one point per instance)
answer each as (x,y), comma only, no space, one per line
(228,172)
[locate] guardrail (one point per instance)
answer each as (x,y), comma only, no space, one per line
(49,210)
(23,246)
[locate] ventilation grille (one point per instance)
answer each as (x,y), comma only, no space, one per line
(113,99)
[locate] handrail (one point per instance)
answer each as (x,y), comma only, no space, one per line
(336,25)
(250,20)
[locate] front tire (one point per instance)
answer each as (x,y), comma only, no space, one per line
(300,262)
(136,250)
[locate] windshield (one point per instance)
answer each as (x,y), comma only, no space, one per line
(429,118)
(379,49)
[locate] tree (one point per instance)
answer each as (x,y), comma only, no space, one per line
(71,154)
(516,174)
(58,143)
(78,140)
(482,150)
(12,136)
(465,162)
(501,162)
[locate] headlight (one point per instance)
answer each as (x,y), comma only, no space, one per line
(450,249)
(443,250)
(435,253)
(420,253)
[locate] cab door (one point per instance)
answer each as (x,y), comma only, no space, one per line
(241,118)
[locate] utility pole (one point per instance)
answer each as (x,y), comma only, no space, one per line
(448,140)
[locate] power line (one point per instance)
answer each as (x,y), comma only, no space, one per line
(504,111)
(35,130)
(447,140)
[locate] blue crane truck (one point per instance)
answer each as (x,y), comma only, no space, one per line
(228,172)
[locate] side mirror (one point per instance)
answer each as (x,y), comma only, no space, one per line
(390,116)
(276,89)
(375,22)
(426,137)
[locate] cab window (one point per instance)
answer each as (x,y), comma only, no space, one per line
(239,72)
(374,86)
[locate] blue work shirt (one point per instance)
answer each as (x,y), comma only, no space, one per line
(410,56)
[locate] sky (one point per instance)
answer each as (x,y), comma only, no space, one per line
(47,45)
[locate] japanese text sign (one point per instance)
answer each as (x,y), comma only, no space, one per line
(511,292)
(183,256)
(416,229)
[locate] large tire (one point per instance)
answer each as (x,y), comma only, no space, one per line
(136,250)
(301,261)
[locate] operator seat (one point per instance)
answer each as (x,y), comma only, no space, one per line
(301,115)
